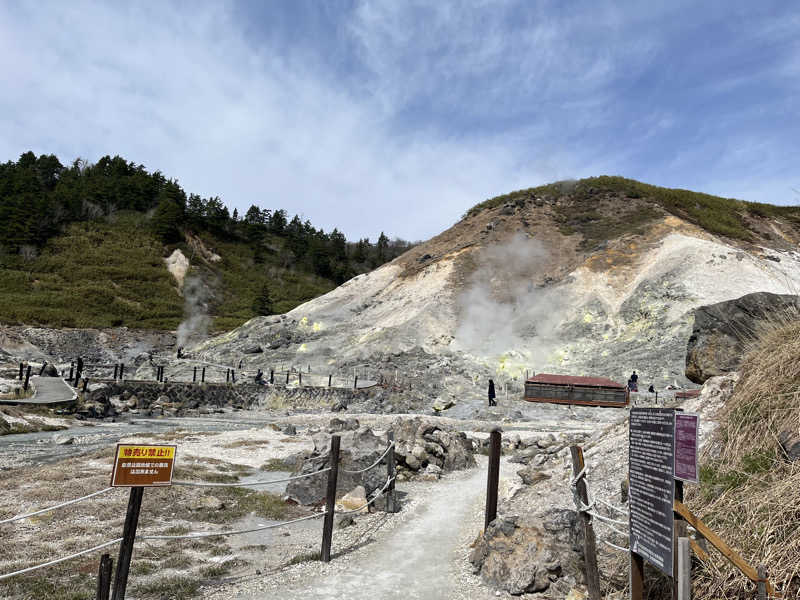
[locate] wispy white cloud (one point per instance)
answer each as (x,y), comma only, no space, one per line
(426,110)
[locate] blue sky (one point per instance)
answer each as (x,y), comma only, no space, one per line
(399,116)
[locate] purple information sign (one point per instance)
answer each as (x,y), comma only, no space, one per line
(686,427)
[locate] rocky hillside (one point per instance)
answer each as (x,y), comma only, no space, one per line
(597,276)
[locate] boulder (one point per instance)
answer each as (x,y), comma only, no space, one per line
(420,442)
(355,498)
(531,555)
(531,475)
(253,350)
(722,331)
(64,440)
(50,371)
(358,450)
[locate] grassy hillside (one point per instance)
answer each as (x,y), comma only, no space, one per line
(111,272)
(639,206)
(750,489)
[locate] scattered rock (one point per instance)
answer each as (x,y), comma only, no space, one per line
(253,350)
(346,521)
(531,475)
(64,440)
(441,405)
(432,473)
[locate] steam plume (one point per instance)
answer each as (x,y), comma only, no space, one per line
(195,318)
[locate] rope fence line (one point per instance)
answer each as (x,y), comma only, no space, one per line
(200,535)
(375,464)
(191,536)
(62,559)
(57,506)
(249,483)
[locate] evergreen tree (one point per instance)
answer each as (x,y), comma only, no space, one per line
(262,305)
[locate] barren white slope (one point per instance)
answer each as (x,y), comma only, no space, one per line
(605,322)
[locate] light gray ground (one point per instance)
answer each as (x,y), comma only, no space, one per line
(421,554)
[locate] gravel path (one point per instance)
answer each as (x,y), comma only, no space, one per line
(49,390)
(421,554)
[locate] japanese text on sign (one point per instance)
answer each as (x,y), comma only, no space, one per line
(686,426)
(142,465)
(652,488)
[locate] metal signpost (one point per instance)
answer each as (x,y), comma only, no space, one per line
(137,466)
(686,434)
(652,491)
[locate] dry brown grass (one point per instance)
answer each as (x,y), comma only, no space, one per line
(750,492)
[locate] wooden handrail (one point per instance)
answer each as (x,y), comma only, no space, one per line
(719,544)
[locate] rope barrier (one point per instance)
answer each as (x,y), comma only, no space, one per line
(377,495)
(249,483)
(191,536)
(611,506)
(60,560)
(375,464)
(44,510)
(614,529)
(620,548)
(606,519)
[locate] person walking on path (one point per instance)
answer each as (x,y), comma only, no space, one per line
(492,394)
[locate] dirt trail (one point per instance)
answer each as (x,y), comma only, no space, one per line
(421,558)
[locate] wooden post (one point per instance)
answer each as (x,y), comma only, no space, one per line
(22,370)
(116,368)
(27,378)
(299,379)
(71,369)
(44,364)
(233,376)
(287,376)
(762,582)
(104,577)
(355,383)
(272,376)
(391,473)
(589,541)
(493,478)
(330,502)
(126,547)
(227,375)
(684,573)
(121,370)
(203,376)
(85,384)
(330,377)
(637,577)
(194,375)
(679,531)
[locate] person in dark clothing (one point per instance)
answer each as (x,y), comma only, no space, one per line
(180,352)
(492,395)
(634,378)
(651,389)
(260,377)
